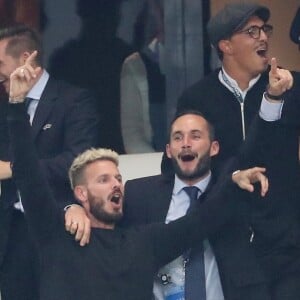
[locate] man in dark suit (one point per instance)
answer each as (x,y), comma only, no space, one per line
(231,271)
(64,123)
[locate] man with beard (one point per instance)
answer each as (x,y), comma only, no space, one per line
(160,198)
(118,263)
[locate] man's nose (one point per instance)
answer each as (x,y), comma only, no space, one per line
(117,183)
(263,36)
(186,142)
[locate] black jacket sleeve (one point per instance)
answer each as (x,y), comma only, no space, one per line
(171,240)
(39,204)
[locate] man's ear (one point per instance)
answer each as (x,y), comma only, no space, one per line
(214,148)
(225,46)
(80,193)
(168,151)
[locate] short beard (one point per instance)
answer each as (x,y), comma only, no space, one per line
(201,169)
(96,209)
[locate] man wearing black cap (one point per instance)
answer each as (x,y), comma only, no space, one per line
(230,97)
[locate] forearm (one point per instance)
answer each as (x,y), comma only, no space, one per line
(217,209)
(39,205)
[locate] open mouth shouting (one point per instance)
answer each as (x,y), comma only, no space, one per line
(187,156)
(116,198)
(262,51)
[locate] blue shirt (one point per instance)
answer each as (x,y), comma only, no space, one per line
(178,207)
(35,93)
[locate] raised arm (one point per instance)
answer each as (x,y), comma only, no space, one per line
(40,207)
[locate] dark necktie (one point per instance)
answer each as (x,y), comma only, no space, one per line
(27,102)
(194,269)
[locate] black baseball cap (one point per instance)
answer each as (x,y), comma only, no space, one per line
(232,18)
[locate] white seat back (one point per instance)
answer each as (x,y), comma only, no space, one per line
(139,165)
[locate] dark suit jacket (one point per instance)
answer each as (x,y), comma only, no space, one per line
(64,125)
(147,200)
(275,219)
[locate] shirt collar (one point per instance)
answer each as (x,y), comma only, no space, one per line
(202,184)
(37,90)
(234,83)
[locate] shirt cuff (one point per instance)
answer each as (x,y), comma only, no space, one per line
(270,111)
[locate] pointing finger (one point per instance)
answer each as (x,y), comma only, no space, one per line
(264,186)
(31,58)
(273,66)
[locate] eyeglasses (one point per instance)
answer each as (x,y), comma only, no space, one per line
(254,31)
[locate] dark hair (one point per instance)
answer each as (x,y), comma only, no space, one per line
(219,53)
(211,128)
(22,38)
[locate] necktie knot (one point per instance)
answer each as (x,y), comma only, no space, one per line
(192,192)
